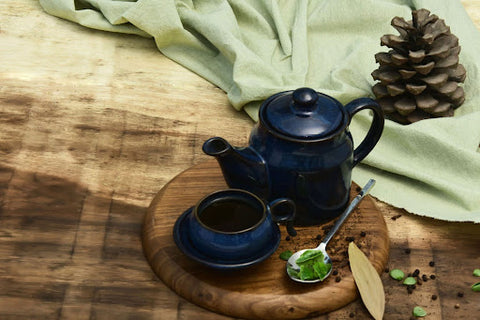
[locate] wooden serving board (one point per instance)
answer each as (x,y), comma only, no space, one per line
(261,291)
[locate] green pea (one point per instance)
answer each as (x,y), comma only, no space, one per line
(397,274)
(476,272)
(409,281)
(419,312)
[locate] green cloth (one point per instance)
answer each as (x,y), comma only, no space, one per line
(254,48)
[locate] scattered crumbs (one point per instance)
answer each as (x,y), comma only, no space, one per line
(433,277)
(396,217)
(363,234)
(350,238)
(457,306)
(460,294)
(335,272)
(351,315)
(338,279)
(434,297)
(431,263)
(287,238)
(424,278)
(408,250)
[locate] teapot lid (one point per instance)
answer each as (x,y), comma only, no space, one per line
(302,114)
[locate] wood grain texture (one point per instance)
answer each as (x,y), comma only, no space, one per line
(263,291)
(92,126)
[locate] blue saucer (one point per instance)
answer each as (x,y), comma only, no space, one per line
(182,240)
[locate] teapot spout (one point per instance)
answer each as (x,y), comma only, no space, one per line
(242,168)
(217,147)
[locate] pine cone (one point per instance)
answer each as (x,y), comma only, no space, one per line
(419,76)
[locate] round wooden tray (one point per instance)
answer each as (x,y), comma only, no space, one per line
(262,291)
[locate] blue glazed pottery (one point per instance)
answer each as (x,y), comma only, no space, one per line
(182,240)
(236,225)
(300,149)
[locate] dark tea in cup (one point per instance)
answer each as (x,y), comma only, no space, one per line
(231,215)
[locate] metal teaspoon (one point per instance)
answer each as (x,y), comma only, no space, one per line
(291,263)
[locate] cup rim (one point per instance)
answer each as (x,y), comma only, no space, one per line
(212,194)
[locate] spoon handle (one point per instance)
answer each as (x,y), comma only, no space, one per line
(346,213)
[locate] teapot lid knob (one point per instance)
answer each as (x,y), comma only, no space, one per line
(304,99)
(303,114)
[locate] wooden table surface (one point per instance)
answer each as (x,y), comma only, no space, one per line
(92,126)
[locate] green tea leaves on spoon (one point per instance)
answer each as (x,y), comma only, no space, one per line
(307,272)
(312,266)
(321,269)
(309,255)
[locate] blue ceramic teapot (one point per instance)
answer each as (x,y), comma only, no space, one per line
(301,149)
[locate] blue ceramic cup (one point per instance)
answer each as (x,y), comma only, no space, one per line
(234,224)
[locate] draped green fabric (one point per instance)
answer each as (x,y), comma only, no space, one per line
(255,48)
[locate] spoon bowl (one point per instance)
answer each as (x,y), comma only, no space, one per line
(293,268)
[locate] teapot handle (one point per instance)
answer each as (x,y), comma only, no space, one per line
(375,130)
